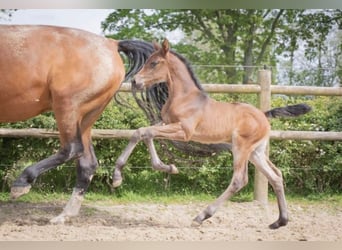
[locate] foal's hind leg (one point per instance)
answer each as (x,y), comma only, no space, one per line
(239,180)
(274,176)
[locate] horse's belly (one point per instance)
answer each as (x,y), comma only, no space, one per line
(13,111)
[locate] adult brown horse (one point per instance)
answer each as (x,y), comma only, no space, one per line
(75,74)
(189,114)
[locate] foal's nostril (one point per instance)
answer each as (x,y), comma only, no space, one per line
(137,84)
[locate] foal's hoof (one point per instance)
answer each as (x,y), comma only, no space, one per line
(117,183)
(17,191)
(173,170)
(278,223)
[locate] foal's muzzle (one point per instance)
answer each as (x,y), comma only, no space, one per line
(138,85)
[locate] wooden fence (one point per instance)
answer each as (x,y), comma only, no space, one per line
(263,88)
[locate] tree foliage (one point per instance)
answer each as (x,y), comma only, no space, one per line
(249,38)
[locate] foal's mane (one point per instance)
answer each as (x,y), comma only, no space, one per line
(151,101)
(189,68)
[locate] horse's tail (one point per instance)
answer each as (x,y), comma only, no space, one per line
(137,53)
(289,111)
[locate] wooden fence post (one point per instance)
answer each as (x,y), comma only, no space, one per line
(260,181)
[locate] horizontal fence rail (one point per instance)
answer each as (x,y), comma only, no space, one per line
(306,135)
(127,133)
(210,88)
(255,88)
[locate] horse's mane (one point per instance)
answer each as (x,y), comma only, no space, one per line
(151,101)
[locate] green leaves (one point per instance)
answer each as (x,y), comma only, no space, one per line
(246,37)
(307,166)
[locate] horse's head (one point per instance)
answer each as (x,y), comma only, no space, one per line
(155,70)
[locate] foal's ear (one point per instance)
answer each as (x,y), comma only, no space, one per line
(156,45)
(165,46)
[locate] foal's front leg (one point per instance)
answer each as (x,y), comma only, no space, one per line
(121,161)
(157,164)
(146,134)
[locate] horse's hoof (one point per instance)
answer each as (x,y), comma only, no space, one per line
(17,191)
(174,170)
(196,223)
(58,220)
(117,183)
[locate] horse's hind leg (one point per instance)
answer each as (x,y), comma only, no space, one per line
(274,176)
(68,151)
(86,166)
(87,162)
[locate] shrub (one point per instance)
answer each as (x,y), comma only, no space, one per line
(307,166)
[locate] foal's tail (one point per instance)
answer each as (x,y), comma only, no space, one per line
(289,111)
(137,53)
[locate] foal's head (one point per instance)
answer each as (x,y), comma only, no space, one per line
(155,69)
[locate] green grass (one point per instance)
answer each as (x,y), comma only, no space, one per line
(131,197)
(37,197)
(333,199)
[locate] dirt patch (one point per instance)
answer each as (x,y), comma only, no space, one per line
(247,221)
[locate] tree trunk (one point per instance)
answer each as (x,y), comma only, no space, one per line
(248,52)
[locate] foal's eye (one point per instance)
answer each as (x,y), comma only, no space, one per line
(154,63)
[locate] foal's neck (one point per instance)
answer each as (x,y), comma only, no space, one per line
(180,82)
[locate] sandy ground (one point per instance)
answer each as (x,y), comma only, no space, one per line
(246,221)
